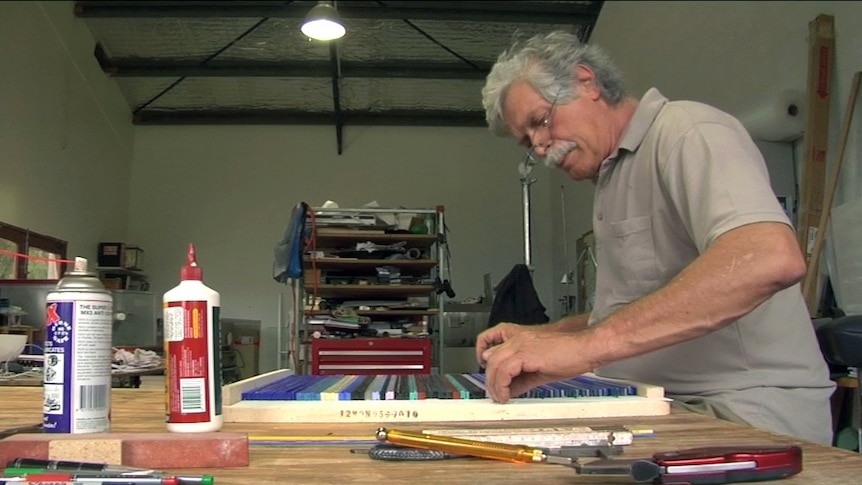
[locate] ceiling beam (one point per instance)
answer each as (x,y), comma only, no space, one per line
(134,68)
(288,117)
(478,11)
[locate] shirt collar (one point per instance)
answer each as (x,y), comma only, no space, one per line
(648,109)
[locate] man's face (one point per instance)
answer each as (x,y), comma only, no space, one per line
(564,135)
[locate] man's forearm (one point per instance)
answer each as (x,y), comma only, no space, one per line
(568,324)
(737,273)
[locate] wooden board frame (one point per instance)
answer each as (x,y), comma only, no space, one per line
(650,401)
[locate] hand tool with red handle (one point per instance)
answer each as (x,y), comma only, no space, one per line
(705,466)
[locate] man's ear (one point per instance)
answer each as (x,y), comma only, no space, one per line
(585,82)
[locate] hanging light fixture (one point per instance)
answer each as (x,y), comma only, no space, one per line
(323,22)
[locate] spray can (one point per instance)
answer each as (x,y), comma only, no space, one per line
(192,353)
(77,369)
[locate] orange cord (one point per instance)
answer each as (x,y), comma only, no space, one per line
(36,258)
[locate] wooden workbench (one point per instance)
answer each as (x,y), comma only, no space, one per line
(141,410)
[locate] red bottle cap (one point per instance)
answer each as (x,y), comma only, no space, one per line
(191,271)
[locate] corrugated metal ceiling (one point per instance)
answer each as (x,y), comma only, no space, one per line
(401,62)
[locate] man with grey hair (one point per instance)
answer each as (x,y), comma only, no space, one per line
(698,266)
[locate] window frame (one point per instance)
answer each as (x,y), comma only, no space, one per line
(27,239)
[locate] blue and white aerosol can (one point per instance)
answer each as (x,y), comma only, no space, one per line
(77,375)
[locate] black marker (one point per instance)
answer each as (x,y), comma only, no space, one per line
(67,466)
(103,469)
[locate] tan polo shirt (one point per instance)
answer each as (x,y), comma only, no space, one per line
(684,174)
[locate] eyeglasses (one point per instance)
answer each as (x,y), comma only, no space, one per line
(531,156)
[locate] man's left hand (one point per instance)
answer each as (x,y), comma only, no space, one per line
(529,359)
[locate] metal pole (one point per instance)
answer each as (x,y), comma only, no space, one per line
(525,167)
(278,334)
(442,273)
(526,200)
(568,276)
(857,410)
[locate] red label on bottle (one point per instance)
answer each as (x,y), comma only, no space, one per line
(187,375)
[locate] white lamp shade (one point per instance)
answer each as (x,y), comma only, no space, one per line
(323,23)
(323,29)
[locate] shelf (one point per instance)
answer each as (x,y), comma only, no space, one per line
(421,241)
(366,291)
(117,278)
(338,267)
(431,312)
(408,266)
(122,271)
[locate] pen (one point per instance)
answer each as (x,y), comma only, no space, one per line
(71,466)
(181,479)
(12,472)
(66,478)
(24,466)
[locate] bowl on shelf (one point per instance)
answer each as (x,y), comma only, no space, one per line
(11,346)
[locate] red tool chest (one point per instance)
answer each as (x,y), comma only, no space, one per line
(370,356)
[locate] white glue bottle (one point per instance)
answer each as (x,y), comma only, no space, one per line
(192,353)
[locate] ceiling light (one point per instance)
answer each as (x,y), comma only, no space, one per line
(323,22)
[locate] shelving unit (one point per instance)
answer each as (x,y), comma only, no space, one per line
(373,272)
(133,301)
(118,278)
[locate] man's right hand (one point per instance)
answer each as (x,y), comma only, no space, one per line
(496,335)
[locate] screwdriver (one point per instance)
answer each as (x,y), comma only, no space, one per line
(482,449)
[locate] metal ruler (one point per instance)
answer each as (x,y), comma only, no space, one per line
(550,438)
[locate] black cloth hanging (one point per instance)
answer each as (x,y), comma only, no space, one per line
(516,300)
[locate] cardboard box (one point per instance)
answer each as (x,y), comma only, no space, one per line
(120,255)
(249,355)
(111,254)
(243,337)
(114,283)
(821,57)
(133,257)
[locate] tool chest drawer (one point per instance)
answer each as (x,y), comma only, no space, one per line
(370,356)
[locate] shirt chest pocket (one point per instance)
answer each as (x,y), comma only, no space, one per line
(632,256)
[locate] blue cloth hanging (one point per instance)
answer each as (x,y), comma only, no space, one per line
(288,252)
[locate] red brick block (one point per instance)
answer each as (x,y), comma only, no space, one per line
(143,450)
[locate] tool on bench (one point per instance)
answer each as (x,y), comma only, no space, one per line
(73,466)
(710,465)
(30,428)
(458,446)
(392,452)
(559,437)
(482,449)
(564,441)
(35,467)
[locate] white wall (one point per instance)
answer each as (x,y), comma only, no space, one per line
(230,189)
(65,130)
(68,143)
(731,54)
